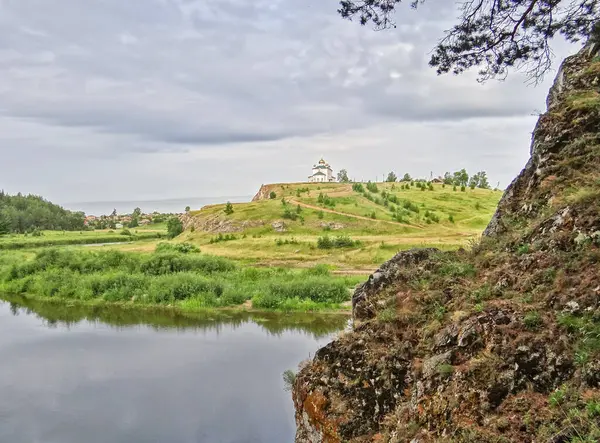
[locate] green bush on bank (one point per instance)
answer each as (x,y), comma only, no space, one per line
(190,281)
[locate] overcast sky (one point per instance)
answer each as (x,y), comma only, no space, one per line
(148,99)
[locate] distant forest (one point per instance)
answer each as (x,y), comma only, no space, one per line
(31,213)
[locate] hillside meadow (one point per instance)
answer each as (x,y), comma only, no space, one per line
(285,230)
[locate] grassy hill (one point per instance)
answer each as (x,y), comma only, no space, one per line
(369,227)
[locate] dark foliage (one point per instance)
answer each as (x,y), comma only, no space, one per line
(25,213)
(494,35)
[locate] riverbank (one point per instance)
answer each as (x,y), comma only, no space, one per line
(187,282)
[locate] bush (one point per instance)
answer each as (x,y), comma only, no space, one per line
(318,289)
(358,187)
(174,227)
(184,248)
(325,200)
(342,241)
(289,215)
(463,188)
(412,207)
(221,238)
(126,232)
(372,187)
(287,241)
(272,195)
(228,208)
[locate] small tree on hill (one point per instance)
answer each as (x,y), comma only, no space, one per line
(272,195)
(473,181)
(228,208)
(342,176)
(448,179)
(187,209)
(174,227)
(137,212)
(391,177)
(461,178)
(483,180)
(406,177)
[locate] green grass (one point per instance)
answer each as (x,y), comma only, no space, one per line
(403,219)
(189,280)
(64,238)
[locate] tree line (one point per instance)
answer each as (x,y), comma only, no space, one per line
(28,213)
(459,178)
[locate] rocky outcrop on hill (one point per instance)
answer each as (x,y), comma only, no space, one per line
(500,343)
(218,224)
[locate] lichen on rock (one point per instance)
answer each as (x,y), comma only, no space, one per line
(497,344)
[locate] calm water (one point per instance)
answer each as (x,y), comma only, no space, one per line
(79,375)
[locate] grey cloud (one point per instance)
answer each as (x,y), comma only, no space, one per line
(101,86)
(254,70)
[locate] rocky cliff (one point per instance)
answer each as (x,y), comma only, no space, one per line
(500,343)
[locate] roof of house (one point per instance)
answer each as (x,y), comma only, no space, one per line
(317,173)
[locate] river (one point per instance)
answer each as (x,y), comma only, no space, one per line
(97,375)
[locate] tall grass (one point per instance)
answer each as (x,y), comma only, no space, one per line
(190,281)
(38,242)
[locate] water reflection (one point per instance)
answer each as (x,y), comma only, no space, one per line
(73,374)
(65,314)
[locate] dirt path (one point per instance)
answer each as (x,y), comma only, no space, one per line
(345,214)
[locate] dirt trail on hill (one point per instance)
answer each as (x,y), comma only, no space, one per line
(345,214)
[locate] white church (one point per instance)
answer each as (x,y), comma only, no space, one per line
(321,172)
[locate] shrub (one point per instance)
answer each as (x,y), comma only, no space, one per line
(372,187)
(126,232)
(463,188)
(184,248)
(272,195)
(324,242)
(320,215)
(228,208)
(325,200)
(342,241)
(413,207)
(222,238)
(318,289)
(358,187)
(532,320)
(287,241)
(289,215)
(174,227)
(451,218)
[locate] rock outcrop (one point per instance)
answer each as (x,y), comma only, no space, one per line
(500,343)
(218,224)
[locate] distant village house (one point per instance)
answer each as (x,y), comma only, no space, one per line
(321,172)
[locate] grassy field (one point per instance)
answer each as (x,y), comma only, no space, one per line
(64,238)
(381,223)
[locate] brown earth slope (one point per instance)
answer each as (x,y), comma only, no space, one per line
(497,344)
